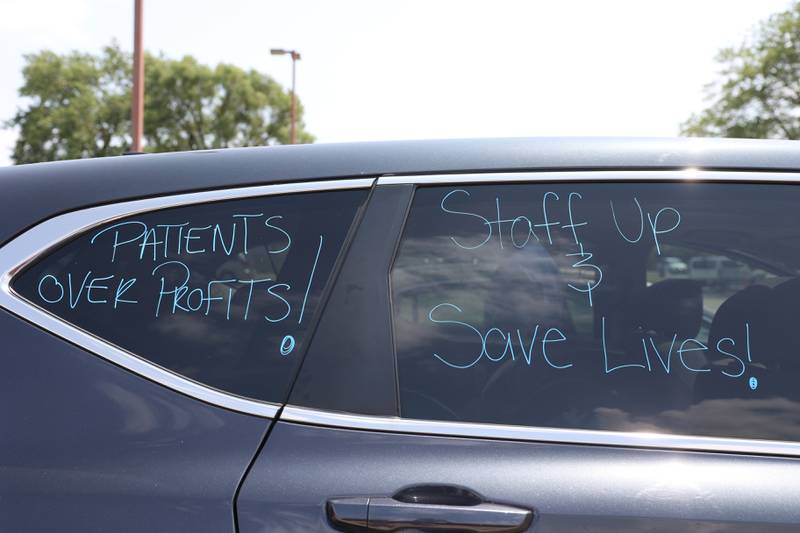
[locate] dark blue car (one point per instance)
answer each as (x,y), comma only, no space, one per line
(482,336)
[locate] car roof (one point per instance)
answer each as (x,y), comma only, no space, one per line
(33,192)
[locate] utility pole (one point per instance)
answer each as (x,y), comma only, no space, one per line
(137,103)
(295,58)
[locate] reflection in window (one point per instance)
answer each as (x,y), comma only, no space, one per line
(718,276)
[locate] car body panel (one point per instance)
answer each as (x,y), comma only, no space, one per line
(88,446)
(571,487)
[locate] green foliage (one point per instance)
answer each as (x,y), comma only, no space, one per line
(79,105)
(758,95)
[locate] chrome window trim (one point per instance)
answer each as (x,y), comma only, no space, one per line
(686,174)
(38,240)
(304,415)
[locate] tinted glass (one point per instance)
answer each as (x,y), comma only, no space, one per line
(222,293)
(668,307)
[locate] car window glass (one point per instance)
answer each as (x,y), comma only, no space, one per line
(664,307)
(222,293)
(720,276)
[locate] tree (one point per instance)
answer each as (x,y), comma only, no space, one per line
(78,105)
(758,95)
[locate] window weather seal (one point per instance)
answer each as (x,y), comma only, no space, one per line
(590,176)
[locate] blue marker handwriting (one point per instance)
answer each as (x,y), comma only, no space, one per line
(519,231)
(90,288)
(583,262)
(585,256)
(171,288)
(163,241)
(516,344)
(516,231)
(496,344)
(665,220)
(658,357)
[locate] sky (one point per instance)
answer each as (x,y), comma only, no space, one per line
(381,70)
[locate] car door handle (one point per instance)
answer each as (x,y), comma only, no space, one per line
(429,508)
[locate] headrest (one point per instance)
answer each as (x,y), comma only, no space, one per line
(748,306)
(784,331)
(669,307)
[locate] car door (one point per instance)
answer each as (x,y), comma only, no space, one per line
(149,344)
(503,352)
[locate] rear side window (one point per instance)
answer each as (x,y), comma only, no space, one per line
(666,307)
(222,293)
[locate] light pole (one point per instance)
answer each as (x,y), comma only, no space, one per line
(137,100)
(295,57)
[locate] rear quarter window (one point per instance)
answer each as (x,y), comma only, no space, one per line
(222,293)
